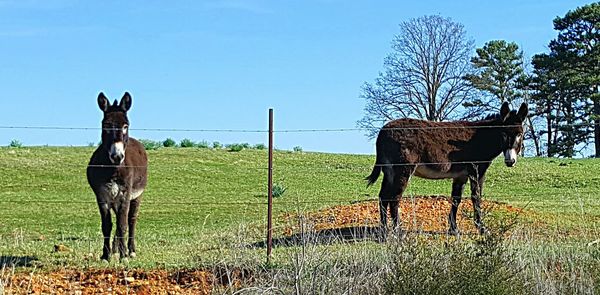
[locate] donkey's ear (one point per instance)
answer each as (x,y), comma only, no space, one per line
(504,110)
(103,102)
(523,110)
(125,102)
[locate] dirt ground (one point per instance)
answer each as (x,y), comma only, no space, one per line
(114,281)
(421,214)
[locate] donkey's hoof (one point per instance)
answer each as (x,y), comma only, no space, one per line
(483,231)
(132,255)
(454,232)
(124,260)
(381,234)
(105,260)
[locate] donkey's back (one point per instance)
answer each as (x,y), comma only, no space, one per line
(426,148)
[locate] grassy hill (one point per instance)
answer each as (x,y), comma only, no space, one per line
(195,195)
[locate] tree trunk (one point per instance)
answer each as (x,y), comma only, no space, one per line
(549,131)
(597,127)
(534,137)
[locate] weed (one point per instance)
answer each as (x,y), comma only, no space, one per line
(15,144)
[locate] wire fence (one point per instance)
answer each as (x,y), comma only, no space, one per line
(318,197)
(432,126)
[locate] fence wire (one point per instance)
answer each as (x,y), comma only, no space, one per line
(449,126)
(320,196)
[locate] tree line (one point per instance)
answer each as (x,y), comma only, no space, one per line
(434,73)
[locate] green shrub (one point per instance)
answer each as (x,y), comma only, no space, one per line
(245,145)
(298,149)
(260,146)
(15,144)
(187,143)
(485,265)
(202,144)
(150,144)
(235,147)
(169,142)
(217,145)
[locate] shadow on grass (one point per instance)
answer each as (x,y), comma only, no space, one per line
(337,235)
(16,261)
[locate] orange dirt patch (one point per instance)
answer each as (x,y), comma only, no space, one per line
(423,213)
(112,281)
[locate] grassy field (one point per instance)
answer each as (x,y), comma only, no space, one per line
(202,205)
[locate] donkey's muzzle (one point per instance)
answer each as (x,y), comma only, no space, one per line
(510,157)
(116,158)
(117,153)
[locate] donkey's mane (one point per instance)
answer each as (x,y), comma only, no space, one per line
(491,117)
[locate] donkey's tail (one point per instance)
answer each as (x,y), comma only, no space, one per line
(374,175)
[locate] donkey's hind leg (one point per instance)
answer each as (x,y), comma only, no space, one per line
(402,175)
(458,185)
(134,207)
(385,196)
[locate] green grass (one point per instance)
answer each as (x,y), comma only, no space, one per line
(198,200)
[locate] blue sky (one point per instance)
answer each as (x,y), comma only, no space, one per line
(221,64)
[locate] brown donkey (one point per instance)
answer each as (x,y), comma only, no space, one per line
(117,174)
(436,150)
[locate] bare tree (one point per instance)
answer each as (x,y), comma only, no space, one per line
(423,76)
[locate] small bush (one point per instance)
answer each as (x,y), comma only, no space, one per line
(486,265)
(260,146)
(187,143)
(217,145)
(150,144)
(203,144)
(298,149)
(278,190)
(245,145)
(15,144)
(169,142)
(235,147)
(91,144)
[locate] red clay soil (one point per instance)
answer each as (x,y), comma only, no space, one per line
(112,281)
(423,213)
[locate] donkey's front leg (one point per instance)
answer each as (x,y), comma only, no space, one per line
(106,228)
(122,214)
(476,191)
(458,185)
(132,220)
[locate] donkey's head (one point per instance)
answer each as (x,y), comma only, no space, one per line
(512,133)
(115,126)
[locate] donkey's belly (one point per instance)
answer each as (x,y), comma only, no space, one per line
(115,191)
(136,193)
(429,173)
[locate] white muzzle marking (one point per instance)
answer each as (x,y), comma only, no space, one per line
(510,156)
(117,151)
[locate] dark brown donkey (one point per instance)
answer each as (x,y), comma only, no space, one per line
(436,150)
(117,173)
